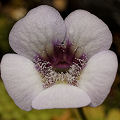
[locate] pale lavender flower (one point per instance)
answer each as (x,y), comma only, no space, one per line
(59,63)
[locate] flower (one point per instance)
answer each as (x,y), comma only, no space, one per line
(59,63)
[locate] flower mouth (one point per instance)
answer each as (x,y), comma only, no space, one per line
(61,63)
(61,66)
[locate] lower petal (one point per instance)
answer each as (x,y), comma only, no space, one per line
(98,76)
(61,96)
(21,79)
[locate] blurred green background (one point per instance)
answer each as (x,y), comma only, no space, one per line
(108,11)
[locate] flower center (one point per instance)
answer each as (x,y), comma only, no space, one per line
(61,66)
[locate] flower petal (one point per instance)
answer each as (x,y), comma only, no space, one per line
(88,32)
(61,96)
(21,80)
(38,28)
(98,76)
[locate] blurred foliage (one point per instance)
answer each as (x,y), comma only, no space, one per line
(5,26)
(107,10)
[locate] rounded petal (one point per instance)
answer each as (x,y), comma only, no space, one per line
(88,32)
(61,96)
(21,80)
(38,28)
(98,76)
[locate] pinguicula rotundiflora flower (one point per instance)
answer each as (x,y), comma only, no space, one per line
(59,63)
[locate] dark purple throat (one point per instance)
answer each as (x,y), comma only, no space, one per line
(62,57)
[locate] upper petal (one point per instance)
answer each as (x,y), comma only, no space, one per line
(21,80)
(88,32)
(98,76)
(38,28)
(61,96)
